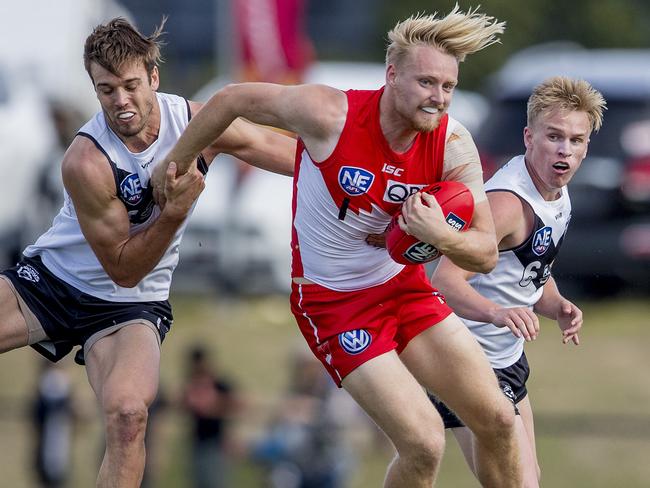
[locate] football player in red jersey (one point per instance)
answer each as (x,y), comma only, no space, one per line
(377,326)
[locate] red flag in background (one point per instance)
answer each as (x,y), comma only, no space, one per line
(273,45)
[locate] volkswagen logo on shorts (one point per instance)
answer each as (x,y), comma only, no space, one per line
(355,341)
(355,181)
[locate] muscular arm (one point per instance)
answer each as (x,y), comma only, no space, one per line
(261,147)
(510,224)
(315,112)
(104,221)
(475,249)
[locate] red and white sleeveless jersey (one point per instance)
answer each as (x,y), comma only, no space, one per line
(355,192)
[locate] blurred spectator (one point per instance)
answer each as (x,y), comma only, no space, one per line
(210,401)
(271,41)
(306,445)
(53,416)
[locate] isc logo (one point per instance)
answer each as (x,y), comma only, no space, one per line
(455,221)
(355,181)
(131,189)
(542,240)
(421,252)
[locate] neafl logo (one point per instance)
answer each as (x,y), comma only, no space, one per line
(131,189)
(355,181)
(542,240)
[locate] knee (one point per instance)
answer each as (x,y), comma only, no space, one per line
(126,421)
(500,421)
(424,453)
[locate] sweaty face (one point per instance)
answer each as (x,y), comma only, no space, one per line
(128,99)
(556,143)
(423,83)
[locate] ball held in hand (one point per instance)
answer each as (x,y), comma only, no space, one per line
(457,205)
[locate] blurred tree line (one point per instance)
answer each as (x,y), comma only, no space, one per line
(356,30)
(592,24)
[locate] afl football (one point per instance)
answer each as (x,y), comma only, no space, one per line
(457,205)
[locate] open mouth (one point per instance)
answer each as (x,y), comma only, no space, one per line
(561,166)
(430,110)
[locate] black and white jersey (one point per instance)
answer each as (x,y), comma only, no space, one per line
(63,248)
(521,272)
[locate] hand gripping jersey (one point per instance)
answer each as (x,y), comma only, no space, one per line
(64,249)
(355,192)
(521,272)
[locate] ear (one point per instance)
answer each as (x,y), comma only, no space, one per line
(528,137)
(391,75)
(155,78)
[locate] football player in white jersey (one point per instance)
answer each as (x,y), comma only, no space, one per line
(531,209)
(100,277)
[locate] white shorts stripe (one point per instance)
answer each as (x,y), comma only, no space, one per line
(304,314)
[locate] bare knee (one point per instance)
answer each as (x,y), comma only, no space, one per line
(423,453)
(499,422)
(126,421)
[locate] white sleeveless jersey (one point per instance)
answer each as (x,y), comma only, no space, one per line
(64,249)
(521,272)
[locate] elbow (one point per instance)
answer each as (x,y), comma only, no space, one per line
(482,262)
(125,280)
(489,262)
(127,283)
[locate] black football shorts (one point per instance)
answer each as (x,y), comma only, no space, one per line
(512,381)
(72,318)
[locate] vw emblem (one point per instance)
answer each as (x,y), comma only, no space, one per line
(355,341)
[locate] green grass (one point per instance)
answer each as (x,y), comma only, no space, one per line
(591,402)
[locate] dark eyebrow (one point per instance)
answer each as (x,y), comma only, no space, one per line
(126,82)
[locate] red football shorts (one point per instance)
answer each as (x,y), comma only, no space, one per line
(346,329)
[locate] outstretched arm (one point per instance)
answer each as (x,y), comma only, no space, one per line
(554,306)
(104,221)
(315,112)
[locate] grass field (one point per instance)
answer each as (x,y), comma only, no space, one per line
(592,402)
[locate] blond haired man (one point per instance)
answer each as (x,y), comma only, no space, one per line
(378,327)
(530,203)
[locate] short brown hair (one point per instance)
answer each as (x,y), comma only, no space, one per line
(567,94)
(458,34)
(117,42)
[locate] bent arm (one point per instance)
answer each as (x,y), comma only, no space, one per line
(549,303)
(104,220)
(476,248)
(451,280)
(554,306)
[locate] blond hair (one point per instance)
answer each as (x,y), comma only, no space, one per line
(567,94)
(457,34)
